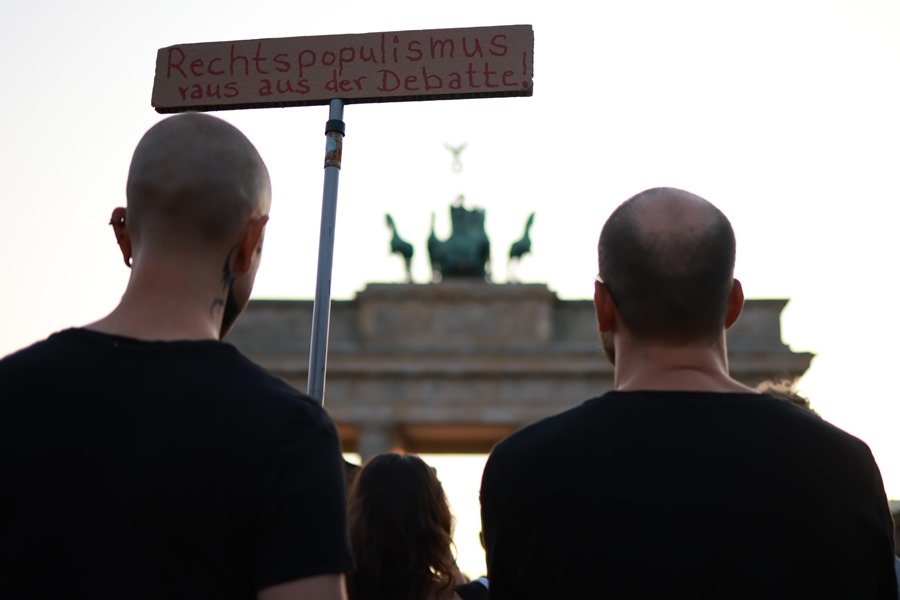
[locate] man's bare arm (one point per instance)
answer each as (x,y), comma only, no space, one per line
(319,587)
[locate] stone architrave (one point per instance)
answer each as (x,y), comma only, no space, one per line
(456,367)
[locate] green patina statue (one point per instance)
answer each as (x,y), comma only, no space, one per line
(401,247)
(467,252)
(518,249)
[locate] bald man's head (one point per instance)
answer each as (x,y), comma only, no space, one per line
(667,258)
(194,179)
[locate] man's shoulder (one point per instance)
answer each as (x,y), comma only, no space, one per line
(616,413)
(549,435)
(559,427)
(38,353)
(196,368)
(253,378)
(251,388)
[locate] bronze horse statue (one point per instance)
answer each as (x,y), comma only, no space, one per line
(518,249)
(401,247)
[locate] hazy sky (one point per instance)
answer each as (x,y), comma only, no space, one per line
(786,114)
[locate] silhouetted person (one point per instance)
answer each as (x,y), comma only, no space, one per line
(763,498)
(140,456)
(401,531)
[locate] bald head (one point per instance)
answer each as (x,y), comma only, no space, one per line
(194,178)
(667,258)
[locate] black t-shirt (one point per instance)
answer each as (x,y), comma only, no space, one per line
(685,495)
(161,470)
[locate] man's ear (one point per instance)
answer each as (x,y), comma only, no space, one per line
(250,243)
(735,304)
(120,229)
(604,307)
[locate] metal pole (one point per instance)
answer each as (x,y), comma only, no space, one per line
(318,348)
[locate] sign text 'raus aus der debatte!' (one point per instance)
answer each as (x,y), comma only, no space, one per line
(478,62)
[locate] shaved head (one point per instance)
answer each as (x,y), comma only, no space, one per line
(667,258)
(194,178)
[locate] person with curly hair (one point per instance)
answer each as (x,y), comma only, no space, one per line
(401,532)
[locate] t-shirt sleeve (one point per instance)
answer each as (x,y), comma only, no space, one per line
(300,523)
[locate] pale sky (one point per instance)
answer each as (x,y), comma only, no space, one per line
(786,114)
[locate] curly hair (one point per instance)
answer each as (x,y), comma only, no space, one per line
(401,531)
(785,389)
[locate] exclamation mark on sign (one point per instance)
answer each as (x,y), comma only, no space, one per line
(525,69)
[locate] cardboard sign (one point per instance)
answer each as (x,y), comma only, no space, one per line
(437,64)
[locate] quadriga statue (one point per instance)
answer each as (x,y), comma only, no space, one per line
(467,252)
